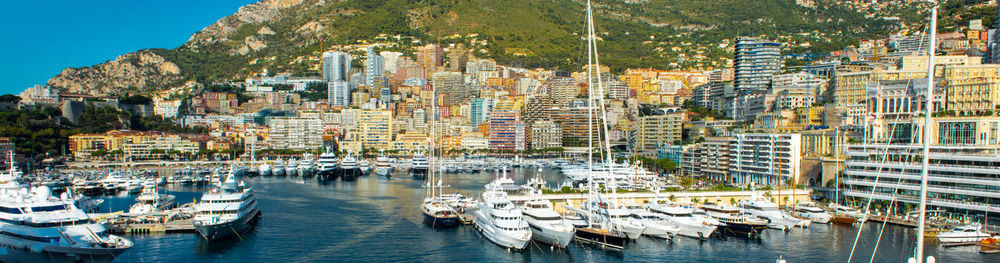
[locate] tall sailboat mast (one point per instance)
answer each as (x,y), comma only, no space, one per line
(925,162)
(590,120)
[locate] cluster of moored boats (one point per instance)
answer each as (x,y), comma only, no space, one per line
(611,223)
(36,224)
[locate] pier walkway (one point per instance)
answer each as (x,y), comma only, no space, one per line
(794,195)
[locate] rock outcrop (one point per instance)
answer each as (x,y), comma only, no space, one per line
(132,72)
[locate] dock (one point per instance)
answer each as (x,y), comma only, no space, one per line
(177,226)
(177,220)
(984,247)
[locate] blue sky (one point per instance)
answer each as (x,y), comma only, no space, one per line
(43,37)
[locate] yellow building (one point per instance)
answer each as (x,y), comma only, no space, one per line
(972,97)
(659,130)
(851,88)
(353,147)
(408,143)
(375,128)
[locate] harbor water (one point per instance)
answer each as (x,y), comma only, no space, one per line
(377,219)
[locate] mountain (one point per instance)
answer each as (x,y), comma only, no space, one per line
(287,35)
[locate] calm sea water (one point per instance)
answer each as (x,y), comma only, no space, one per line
(377,219)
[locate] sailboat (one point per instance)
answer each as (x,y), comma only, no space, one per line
(436,211)
(600,232)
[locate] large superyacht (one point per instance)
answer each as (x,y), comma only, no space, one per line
(230,208)
(326,165)
(419,165)
(36,226)
(500,221)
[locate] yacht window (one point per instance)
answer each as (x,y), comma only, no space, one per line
(10,210)
(33,238)
(48,208)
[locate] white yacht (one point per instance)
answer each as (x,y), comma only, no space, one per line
(264,169)
(305,167)
(349,168)
(278,168)
(657,225)
(114,180)
(292,167)
(149,201)
(37,227)
(419,165)
(811,212)
(547,226)
(760,207)
(684,218)
(364,167)
(230,208)
(327,165)
(383,166)
(967,233)
(500,221)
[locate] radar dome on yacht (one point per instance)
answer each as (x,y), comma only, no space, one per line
(41,192)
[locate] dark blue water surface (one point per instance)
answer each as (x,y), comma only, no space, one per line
(376,219)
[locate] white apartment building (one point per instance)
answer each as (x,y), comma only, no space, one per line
(763,159)
(295,133)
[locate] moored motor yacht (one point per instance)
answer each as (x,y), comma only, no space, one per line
(967,233)
(500,221)
(546,225)
(811,212)
(683,218)
(383,166)
(227,210)
(38,227)
(733,221)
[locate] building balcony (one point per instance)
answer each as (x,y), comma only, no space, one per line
(930,188)
(932,178)
(957,204)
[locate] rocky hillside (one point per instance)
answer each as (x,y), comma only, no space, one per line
(134,72)
(276,34)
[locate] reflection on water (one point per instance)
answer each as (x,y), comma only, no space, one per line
(378,219)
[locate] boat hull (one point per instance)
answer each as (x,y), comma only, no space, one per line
(695,231)
(547,235)
(383,171)
(349,174)
(497,237)
(420,173)
(742,229)
(844,220)
(227,229)
(598,237)
(20,250)
(961,239)
(441,222)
